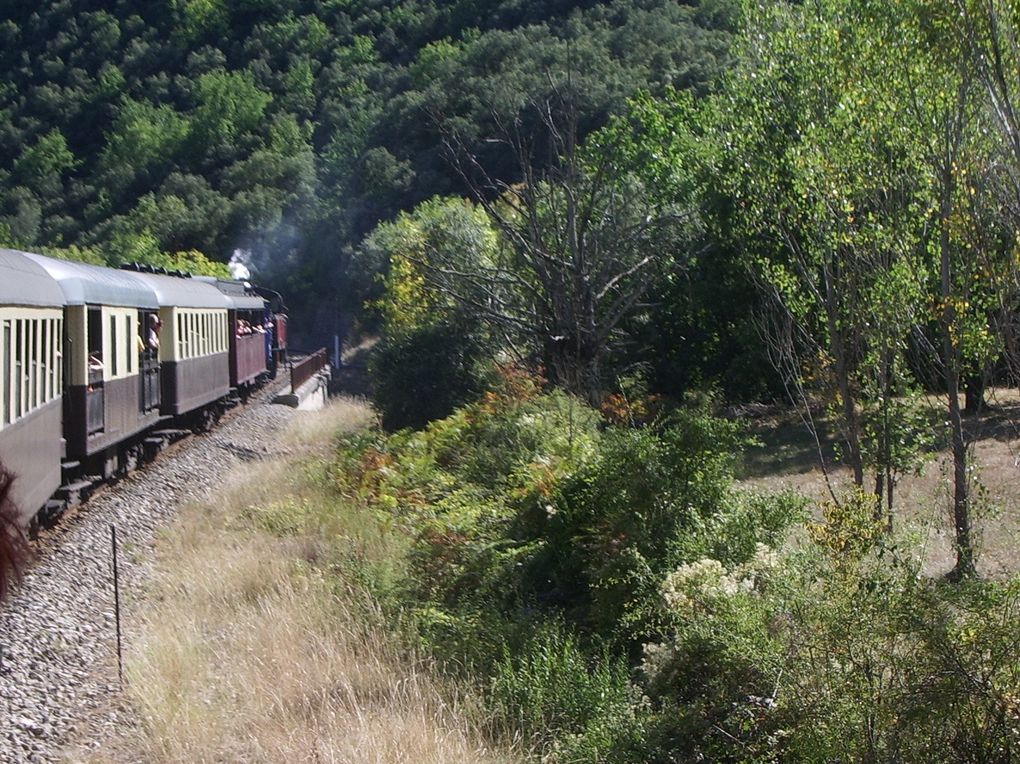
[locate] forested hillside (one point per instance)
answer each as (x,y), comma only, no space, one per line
(289,129)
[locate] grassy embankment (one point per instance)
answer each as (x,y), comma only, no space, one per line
(607,589)
(261,644)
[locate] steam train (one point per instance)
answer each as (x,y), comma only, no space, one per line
(99,368)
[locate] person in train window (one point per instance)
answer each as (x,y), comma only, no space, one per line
(95,362)
(154,326)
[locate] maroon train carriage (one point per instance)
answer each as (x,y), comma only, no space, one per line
(194,342)
(112,384)
(31,384)
(250,337)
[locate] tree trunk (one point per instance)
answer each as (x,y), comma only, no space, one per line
(951,362)
(576,368)
(974,394)
(840,352)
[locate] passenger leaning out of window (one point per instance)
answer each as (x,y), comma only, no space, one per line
(154,326)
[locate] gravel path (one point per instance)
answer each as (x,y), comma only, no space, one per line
(58,679)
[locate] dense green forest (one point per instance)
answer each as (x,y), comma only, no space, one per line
(288,130)
(583,231)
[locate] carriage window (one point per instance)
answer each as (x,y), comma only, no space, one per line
(114,346)
(54,357)
(38,360)
(51,358)
(7,368)
(95,339)
(30,362)
(131,354)
(58,365)
(46,361)
(19,355)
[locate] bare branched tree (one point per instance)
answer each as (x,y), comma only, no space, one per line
(582,242)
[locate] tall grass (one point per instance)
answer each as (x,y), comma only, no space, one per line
(258,646)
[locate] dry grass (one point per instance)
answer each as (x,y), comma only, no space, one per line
(923,510)
(317,430)
(255,648)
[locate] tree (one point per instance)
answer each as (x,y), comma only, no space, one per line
(988,32)
(583,242)
(432,352)
(937,97)
(820,191)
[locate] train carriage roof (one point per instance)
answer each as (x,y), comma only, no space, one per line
(84,284)
(25,282)
(236,293)
(178,292)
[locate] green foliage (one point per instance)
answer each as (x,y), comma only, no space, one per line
(202,18)
(450,231)
(423,373)
(43,164)
(575,709)
(229,104)
(651,499)
(143,135)
(434,353)
(622,603)
(77,254)
(823,656)
(145,96)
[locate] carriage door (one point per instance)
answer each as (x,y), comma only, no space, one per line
(95,401)
(148,357)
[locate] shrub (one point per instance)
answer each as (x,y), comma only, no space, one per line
(650,500)
(424,372)
(825,656)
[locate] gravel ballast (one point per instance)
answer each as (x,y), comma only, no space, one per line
(59,691)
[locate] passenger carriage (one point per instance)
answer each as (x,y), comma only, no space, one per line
(194,342)
(250,337)
(111,395)
(31,383)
